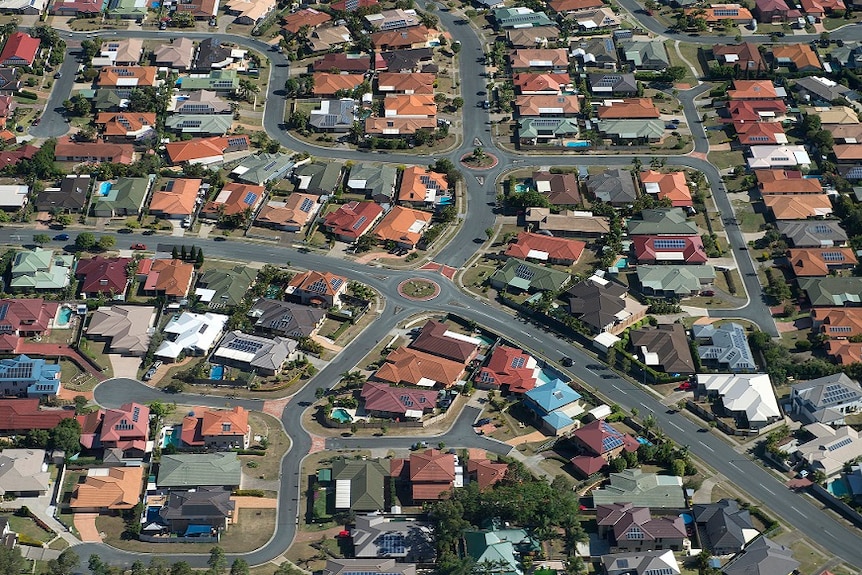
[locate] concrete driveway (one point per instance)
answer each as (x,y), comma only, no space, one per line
(85,523)
(124,366)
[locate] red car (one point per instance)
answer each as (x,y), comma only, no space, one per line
(139,246)
(686,386)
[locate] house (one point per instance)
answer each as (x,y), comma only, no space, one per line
(595,19)
(168,278)
(408,60)
(604,306)
(753,90)
(634,529)
(23,376)
(307,19)
(221,429)
(177,199)
(14,157)
(748,398)
(485,473)
(664,347)
(837,322)
(597,52)
(10,80)
(754,111)
(23,473)
(830,449)
(639,132)
(234,200)
(185,471)
(375,181)
(76,7)
(369,566)
(798,207)
(191,334)
(559,189)
(521,275)
(103,276)
(644,54)
(199,9)
(566,6)
(20,50)
(39,269)
(743,56)
(224,288)
(352,220)
(207,125)
(674,280)
(13,197)
(410,366)
(392,19)
(542,84)
(125,197)
(797,57)
(724,527)
(360,484)
(250,12)
(409,83)
(532,37)
(202,102)
(627,109)
(335,116)
(613,84)
(431,473)
(499,547)
(760,133)
(535,131)
(762,557)
(547,105)
(831,291)
(125,429)
(671,186)
(519,17)
(555,60)
(70,197)
(126,328)
(317,178)
(567,223)
(119,52)
(642,490)
(844,352)
(614,186)
(262,168)
(510,370)
(436,339)
(774,11)
(403,226)
(826,399)
(127,9)
(24,318)
(398,403)
(373,535)
(291,215)
(285,318)
(669,249)
(717,13)
(205,150)
(317,288)
(176,55)
(21,415)
(820,89)
(641,563)
(780,181)
(108,489)
(724,346)
(662,221)
(597,443)
(394,127)
(819,8)
(545,248)
(185,512)
(555,405)
(254,353)
(124,79)
(215,81)
(420,187)
(412,37)
(409,106)
(819,262)
(344,63)
(327,38)
(834,115)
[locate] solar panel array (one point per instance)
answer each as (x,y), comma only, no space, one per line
(668,244)
(839,444)
(244,345)
(833,257)
(124,425)
(486,377)
(282,322)
(635,532)
(306,206)
(659,571)
(21,371)
(838,394)
(840,328)
(235,141)
(392,544)
(318,287)
(612,438)
(249,199)
(270,165)
(359,222)
(405,399)
(4,309)
(524,271)
(518,362)
(136,413)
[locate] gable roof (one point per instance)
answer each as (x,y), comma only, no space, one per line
(661,248)
(820,261)
(360,484)
(20,49)
(103,275)
(188,470)
(667,344)
(111,488)
(410,366)
(435,338)
(542,247)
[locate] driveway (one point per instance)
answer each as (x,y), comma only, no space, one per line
(124,366)
(85,523)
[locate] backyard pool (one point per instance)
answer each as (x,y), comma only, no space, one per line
(64,316)
(622,263)
(172,437)
(838,488)
(644,441)
(687,518)
(577,144)
(524,186)
(341,415)
(104,188)
(544,377)
(217,372)
(446,201)
(153,514)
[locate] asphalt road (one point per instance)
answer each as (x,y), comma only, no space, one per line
(53,122)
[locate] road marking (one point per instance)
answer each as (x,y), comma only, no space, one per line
(768,490)
(707,446)
(618,388)
(829,534)
(798,511)
(675,425)
(734,465)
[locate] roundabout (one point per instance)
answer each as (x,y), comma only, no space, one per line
(418,289)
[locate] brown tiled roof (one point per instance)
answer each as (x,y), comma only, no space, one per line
(402,37)
(397,224)
(802,56)
(629,108)
(540,104)
(838,322)
(173,277)
(415,181)
(432,465)
(671,185)
(760,133)
(594,434)
(24,414)
(752,90)
(411,366)
(794,207)
(413,82)
(328,282)
(290,212)
(119,488)
(532,82)
(560,189)
(307,17)
(200,148)
(219,422)
(117,153)
(232,199)
(398,126)
(847,152)
(555,248)
(574,5)
(773,182)
(748,55)
(416,105)
(347,220)
(110,76)
(526,57)
(670,343)
(844,351)
(383,397)
(432,339)
(123,123)
(103,275)
(486,472)
(818,262)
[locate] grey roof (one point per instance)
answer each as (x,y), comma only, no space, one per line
(615,186)
(211,124)
(613,83)
(641,563)
(203,102)
(71,195)
(406,60)
(558,127)
(210,52)
(519,18)
(209,502)
(631,129)
(363,480)
(832,291)
(595,51)
(379,181)
(728,346)
(229,285)
(670,343)
(820,400)
(642,489)
(762,557)
(261,168)
(188,470)
(368,567)
(339,114)
(662,221)
(680,280)
(827,91)
(105,99)
(372,532)
(21,471)
(595,304)
(317,178)
(254,351)
(290,319)
(649,54)
(812,234)
(725,527)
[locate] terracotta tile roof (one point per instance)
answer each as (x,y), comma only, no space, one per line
(202,148)
(198,8)
(66,150)
(433,339)
(794,207)
(667,185)
(510,368)
(845,352)
(224,422)
(352,5)
(409,105)
(546,248)
(398,126)
(432,465)
(560,189)
(402,225)
(629,108)
(26,316)
(414,36)
(752,90)
(127,427)
(24,414)
(588,465)
(20,49)
(326,84)
(544,83)
(172,277)
(728,12)
(838,322)
(103,275)
(820,261)
(310,17)
(235,199)
(110,488)
(177,197)
(542,104)
(124,123)
(416,183)
(786,182)
(676,249)
(820,7)
(574,5)
(847,152)
(745,54)
(322,283)
(525,58)
(298,210)
(413,367)
(485,472)
(758,133)
(352,219)
(802,56)
(601,438)
(755,110)
(382,397)
(409,83)
(120,76)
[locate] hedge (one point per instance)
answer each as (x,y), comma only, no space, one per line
(250,451)
(249,493)
(26,95)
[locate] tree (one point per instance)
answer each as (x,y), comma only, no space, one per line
(85,241)
(448,214)
(489,232)
(458,103)
(217,561)
(199,258)
(41,239)
(456,47)
(675,73)
(66,563)
(106,242)
(63,220)
(181,568)
(67,436)
(80,403)
(239,567)
(11,561)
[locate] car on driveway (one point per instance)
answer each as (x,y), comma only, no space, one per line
(61,237)
(483,421)
(139,246)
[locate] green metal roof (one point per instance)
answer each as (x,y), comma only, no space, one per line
(199,470)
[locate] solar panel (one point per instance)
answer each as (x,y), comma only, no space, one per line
(359,222)
(392,544)
(669,244)
(4,309)
(610,443)
(244,345)
(833,257)
(269,166)
(523,271)
(306,206)
(822,229)
(249,199)
(336,283)
(839,444)
(518,362)
(318,287)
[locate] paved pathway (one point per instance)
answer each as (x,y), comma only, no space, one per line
(275,407)
(317,444)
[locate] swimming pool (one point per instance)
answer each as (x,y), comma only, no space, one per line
(644,441)
(838,487)
(153,514)
(217,372)
(340,415)
(64,316)
(687,518)
(521,188)
(172,437)
(622,263)
(446,201)
(545,377)
(577,144)
(104,188)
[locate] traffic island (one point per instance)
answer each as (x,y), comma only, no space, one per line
(479,160)
(418,289)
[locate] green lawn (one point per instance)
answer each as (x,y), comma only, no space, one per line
(26,526)
(675,60)
(727,159)
(749,221)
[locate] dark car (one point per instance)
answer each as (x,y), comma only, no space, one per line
(36,121)
(609,376)
(58,75)
(567,362)
(483,421)
(219,239)
(61,237)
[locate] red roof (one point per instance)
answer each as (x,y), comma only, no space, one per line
(127,427)
(343,63)
(397,400)
(352,5)
(20,49)
(510,368)
(103,275)
(24,414)
(676,249)
(308,17)
(751,110)
(352,219)
(66,150)
(588,464)
(760,133)
(601,438)
(12,157)
(485,472)
(26,315)
(431,473)
(537,246)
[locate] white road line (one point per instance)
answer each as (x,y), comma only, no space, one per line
(734,465)
(768,490)
(829,534)
(675,425)
(619,389)
(798,511)
(707,446)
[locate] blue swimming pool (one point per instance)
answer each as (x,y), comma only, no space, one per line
(622,263)
(577,144)
(644,441)
(64,316)
(172,437)
(217,372)
(838,487)
(341,415)
(447,201)
(104,188)
(687,518)
(153,513)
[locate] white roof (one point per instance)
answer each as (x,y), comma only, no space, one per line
(192,331)
(342,494)
(462,337)
(13,195)
(750,393)
(205,295)
(537,255)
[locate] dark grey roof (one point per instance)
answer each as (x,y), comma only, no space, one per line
(722,525)
(762,557)
(290,319)
(725,345)
(596,50)
(71,195)
(10,79)
(202,503)
(670,343)
(210,52)
(368,567)
(340,115)
(398,60)
(373,532)
(817,400)
(812,234)
(596,305)
(821,91)
(641,563)
(614,186)
(613,82)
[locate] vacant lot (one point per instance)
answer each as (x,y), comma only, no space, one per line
(269,465)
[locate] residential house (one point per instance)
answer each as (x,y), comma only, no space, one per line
(410,83)
(21,473)
(10,80)
(641,563)
(291,215)
(177,199)
(352,220)
(614,186)
(108,489)
(317,178)
(604,306)
(392,19)
(409,106)
(20,50)
(671,186)
(675,281)
(662,221)
(819,262)
(205,151)
(327,38)
(402,226)
(597,52)
(627,109)
(253,353)
(595,19)
(499,547)
(669,249)
(375,181)
(125,197)
(744,56)
(186,512)
(724,527)
(250,12)
(832,291)
(778,157)
(191,334)
(24,318)
(422,188)
(373,532)
(23,376)
(555,60)
(664,348)
(199,9)
(717,13)
(754,111)
(40,270)
(335,116)
(126,328)
(125,430)
(797,57)
(431,473)
(798,207)
(202,102)
(547,106)
(535,131)
(532,37)
(403,38)
(285,318)
(70,197)
(436,339)
(837,322)
(215,81)
(774,11)
(224,288)
(510,370)
(399,403)
(124,79)
(370,566)
(644,54)
(634,529)
(613,84)
(221,429)
(485,472)
(103,276)
(13,157)
(317,288)
(234,200)
(762,557)
(304,20)
(566,6)
(168,278)
(344,63)
(820,8)
(197,124)
(262,168)
(520,275)
(119,52)
(753,90)
(13,197)
(519,17)
(640,132)
(547,84)
(398,126)
(597,443)
(760,133)
(21,415)
(830,449)
(748,398)
(826,399)
(642,490)
(360,484)
(820,89)
(546,248)
(410,366)
(723,347)
(555,406)
(834,115)
(185,471)
(559,189)
(127,9)
(567,223)
(77,7)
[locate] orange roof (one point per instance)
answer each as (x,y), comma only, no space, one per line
(173,277)
(177,198)
(225,422)
(629,108)
(728,12)
(574,5)
(398,126)
(816,7)
(540,104)
(308,17)
(802,56)
(124,123)
(539,58)
(544,83)
(326,84)
(838,322)
(409,105)
(786,182)
(410,366)
(402,225)
(234,199)
(410,83)
(111,488)
(530,245)
(847,152)
(815,262)
(416,183)
(323,283)
(844,351)
(671,186)
(796,207)
(298,209)
(487,472)
(403,37)
(127,76)
(760,133)
(201,148)
(752,90)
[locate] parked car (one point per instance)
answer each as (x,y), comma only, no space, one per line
(149,375)
(567,362)
(61,237)
(58,75)
(139,246)
(483,421)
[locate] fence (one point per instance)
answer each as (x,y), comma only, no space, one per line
(836,504)
(722,426)
(173,539)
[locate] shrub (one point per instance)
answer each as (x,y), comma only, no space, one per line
(249,493)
